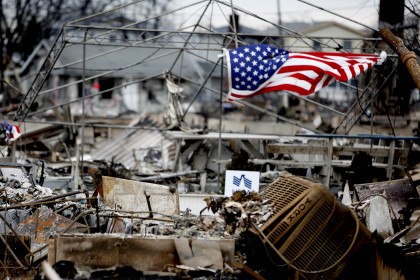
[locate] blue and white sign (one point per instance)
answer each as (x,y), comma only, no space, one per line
(241,180)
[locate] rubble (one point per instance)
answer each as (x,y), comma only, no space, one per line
(119,218)
(47,218)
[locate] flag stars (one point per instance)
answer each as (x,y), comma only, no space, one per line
(253,65)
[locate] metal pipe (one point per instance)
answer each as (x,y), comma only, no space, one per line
(409,58)
(45,200)
(219,145)
(80,159)
(148,204)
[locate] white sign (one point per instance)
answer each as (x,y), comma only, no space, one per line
(241,180)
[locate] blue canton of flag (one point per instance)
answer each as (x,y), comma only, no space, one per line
(252,66)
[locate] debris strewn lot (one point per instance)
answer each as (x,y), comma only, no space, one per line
(135,230)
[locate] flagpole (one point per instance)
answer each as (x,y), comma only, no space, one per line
(219,148)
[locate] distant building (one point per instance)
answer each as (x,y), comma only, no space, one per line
(128,70)
(325,36)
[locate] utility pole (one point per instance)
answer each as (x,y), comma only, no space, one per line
(2,62)
(391,16)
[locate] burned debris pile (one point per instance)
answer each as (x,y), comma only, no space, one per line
(95,233)
(294,227)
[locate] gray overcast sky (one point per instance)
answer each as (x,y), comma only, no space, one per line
(363,11)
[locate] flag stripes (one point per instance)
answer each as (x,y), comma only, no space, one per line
(258,69)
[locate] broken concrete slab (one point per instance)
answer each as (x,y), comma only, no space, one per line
(346,200)
(141,253)
(130,195)
(378,217)
(200,253)
(209,250)
(183,249)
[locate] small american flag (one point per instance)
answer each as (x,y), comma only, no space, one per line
(258,69)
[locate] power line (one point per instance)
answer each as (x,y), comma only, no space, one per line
(349,19)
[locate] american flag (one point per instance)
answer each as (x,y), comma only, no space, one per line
(258,69)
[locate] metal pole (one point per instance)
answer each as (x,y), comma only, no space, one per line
(219,148)
(409,58)
(80,159)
